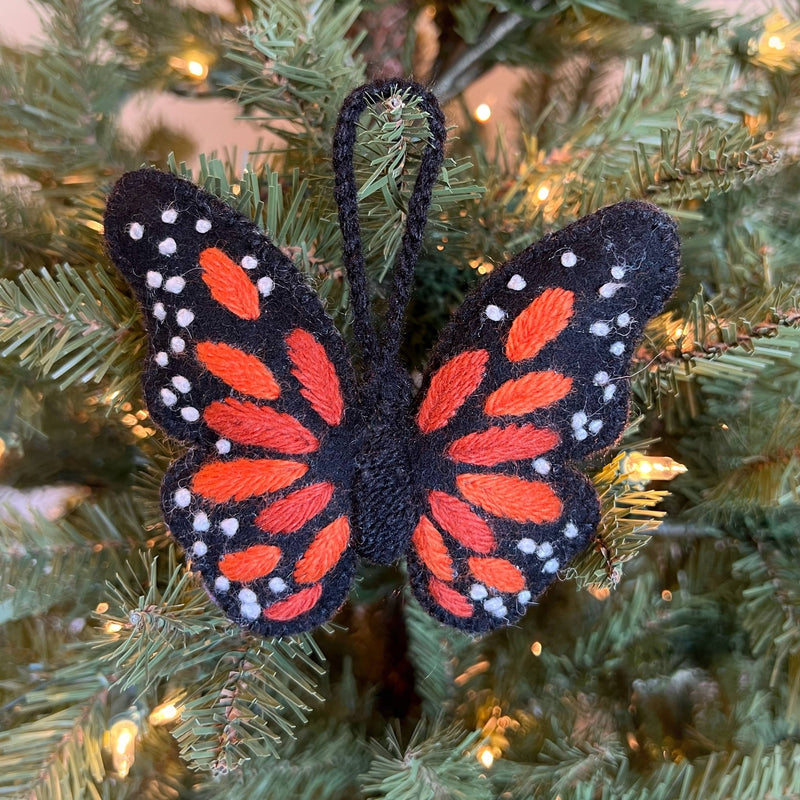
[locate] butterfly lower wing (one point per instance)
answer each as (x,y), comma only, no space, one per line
(244,366)
(531,374)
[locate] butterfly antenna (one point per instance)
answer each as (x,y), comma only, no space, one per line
(381,355)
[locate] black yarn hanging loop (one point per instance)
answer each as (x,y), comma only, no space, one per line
(346,193)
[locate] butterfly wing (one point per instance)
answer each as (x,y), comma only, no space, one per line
(245,367)
(531,374)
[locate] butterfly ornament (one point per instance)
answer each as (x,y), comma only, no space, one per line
(296,466)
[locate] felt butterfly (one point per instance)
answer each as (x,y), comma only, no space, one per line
(296,466)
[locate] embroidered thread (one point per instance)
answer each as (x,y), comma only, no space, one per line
(324,552)
(497,445)
(449,599)
(510,497)
(241,478)
(497,573)
(432,550)
(317,375)
(295,605)
(526,394)
(539,323)
(241,371)
(290,513)
(229,284)
(247,565)
(463,524)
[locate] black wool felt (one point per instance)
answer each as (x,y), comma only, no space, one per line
(620,264)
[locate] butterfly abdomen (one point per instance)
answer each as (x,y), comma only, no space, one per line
(384,499)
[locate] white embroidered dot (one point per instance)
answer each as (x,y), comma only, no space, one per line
(169,216)
(199,548)
(229,526)
(524,597)
(251,610)
(478,591)
(265,285)
(200,522)
(609,392)
(569,259)
(190,414)
(495,313)
(609,289)
(601,378)
(542,466)
(570,530)
(517,283)
(526,546)
(159,312)
(497,608)
(167,247)
(182,498)
(177,345)
(223,446)
(551,566)
(184,317)
(162,359)
(202,226)
(181,384)
(617,349)
(580,434)
(618,272)
(168,397)
(248,262)
(277,585)
(544,550)
(175,284)
(596,425)
(154,279)
(136,231)
(222,584)
(247,596)
(600,328)
(579,419)
(624,319)
(493,603)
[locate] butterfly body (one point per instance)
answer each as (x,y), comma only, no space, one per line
(295,466)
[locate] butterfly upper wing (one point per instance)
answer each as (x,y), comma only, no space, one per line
(531,374)
(243,365)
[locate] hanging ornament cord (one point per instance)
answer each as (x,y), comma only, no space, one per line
(381,356)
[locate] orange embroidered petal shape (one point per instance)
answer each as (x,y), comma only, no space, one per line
(449,599)
(496,445)
(539,323)
(510,497)
(324,552)
(229,284)
(449,388)
(317,375)
(294,605)
(497,573)
(241,371)
(248,423)
(461,522)
(290,513)
(247,565)
(526,394)
(432,550)
(241,478)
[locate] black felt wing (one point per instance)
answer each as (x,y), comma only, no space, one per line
(244,366)
(531,375)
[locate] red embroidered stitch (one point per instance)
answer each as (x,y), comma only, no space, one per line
(497,573)
(510,497)
(324,552)
(247,565)
(463,524)
(241,478)
(290,513)
(539,323)
(241,371)
(295,605)
(229,284)
(262,426)
(496,445)
(432,550)
(526,394)
(315,372)
(449,599)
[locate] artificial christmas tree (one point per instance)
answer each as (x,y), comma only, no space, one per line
(662,664)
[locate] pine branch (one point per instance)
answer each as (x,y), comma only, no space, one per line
(70,327)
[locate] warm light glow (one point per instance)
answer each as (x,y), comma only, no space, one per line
(113,627)
(776,43)
(599,592)
(122,743)
(536,648)
(483,112)
(486,757)
(666,595)
(543,193)
(163,714)
(639,468)
(197,69)
(101,608)
(95,225)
